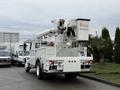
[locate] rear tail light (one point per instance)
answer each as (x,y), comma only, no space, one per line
(51,62)
(88,61)
(54,62)
(91,61)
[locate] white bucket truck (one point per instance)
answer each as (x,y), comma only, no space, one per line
(20,54)
(62,50)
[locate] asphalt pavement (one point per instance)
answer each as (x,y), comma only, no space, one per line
(15,78)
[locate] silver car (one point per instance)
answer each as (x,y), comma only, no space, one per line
(5,58)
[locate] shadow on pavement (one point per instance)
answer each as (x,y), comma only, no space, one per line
(57,79)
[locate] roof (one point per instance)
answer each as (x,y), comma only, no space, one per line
(83,19)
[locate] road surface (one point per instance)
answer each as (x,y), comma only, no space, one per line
(15,78)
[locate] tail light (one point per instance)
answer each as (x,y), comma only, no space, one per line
(91,61)
(51,62)
(54,62)
(88,61)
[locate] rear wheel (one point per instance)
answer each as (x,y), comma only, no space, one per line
(39,72)
(13,62)
(18,63)
(9,65)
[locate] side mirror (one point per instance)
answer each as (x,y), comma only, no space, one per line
(24,46)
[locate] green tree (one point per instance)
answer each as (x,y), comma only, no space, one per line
(94,43)
(108,50)
(105,33)
(97,45)
(117,46)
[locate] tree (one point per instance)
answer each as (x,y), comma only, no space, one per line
(93,41)
(108,50)
(97,45)
(105,33)
(117,46)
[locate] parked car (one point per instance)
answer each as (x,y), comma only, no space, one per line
(5,58)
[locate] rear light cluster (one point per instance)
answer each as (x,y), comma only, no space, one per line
(54,62)
(55,65)
(51,63)
(87,62)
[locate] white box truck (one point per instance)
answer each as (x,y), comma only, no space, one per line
(7,46)
(62,50)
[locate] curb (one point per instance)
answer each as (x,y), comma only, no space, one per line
(100,80)
(88,72)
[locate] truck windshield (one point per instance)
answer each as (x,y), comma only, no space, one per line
(4,54)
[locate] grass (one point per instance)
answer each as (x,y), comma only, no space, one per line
(115,78)
(106,68)
(107,71)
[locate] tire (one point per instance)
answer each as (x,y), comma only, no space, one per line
(70,76)
(9,65)
(13,62)
(27,69)
(39,72)
(17,63)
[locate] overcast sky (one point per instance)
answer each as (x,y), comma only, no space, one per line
(30,16)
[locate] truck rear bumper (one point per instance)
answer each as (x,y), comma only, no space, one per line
(61,72)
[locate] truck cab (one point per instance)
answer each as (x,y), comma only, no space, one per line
(20,57)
